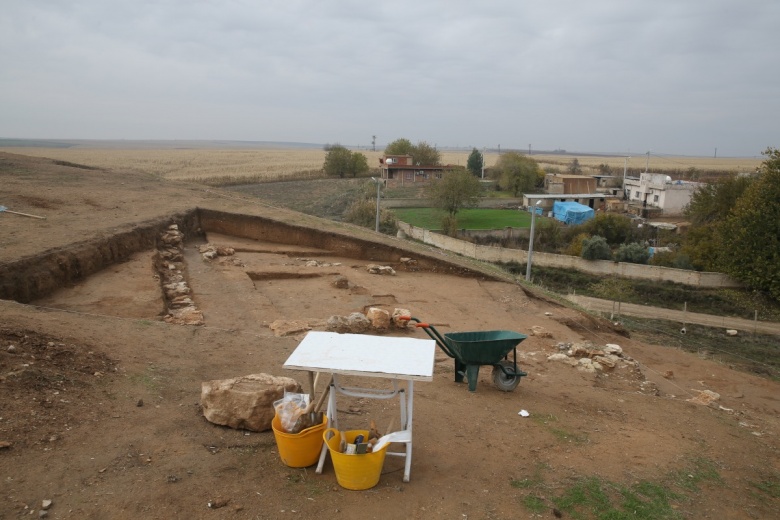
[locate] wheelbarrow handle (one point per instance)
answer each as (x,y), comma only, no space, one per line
(432,333)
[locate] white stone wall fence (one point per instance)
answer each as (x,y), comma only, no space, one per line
(495,254)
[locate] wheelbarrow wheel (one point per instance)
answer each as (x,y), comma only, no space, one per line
(501,380)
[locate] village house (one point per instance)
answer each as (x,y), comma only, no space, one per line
(656,193)
(400,170)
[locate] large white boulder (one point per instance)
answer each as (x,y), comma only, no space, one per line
(245,403)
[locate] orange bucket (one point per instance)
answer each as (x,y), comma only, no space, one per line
(299,450)
(355,472)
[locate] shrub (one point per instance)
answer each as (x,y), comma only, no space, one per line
(363,213)
(596,248)
(634,253)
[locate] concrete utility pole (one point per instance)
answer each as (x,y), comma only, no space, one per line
(531,241)
(378,188)
(647,163)
(483,163)
(373,143)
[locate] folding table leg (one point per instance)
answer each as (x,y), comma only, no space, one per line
(332,422)
(409,406)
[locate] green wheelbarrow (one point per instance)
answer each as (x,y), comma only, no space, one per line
(470,350)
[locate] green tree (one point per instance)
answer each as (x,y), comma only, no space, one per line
(362,211)
(596,248)
(422,153)
(457,189)
(474,163)
(400,147)
(574,167)
(710,206)
(517,173)
(358,163)
(751,232)
(633,253)
(714,201)
(426,155)
(340,162)
(615,228)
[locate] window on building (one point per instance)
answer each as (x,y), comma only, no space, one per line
(636,194)
(655,198)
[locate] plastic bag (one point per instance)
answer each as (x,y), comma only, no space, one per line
(290,408)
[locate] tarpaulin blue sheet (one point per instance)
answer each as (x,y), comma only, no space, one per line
(572,212)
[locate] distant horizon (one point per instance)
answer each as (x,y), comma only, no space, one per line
(22,142)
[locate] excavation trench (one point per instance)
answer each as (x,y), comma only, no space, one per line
(33,277)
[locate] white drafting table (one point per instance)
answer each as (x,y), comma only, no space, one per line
(396,359)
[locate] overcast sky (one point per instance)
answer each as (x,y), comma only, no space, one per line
(666,76)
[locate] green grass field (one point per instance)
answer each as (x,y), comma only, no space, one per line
(430,218)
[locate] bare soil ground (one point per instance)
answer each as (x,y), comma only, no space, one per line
(99,399)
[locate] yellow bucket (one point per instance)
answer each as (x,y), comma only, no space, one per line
(299,450)
(354,471)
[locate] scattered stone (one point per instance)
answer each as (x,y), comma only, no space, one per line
(380,269)
(357,322)
(139,403)
(244,403)
(586,365)
(408,262)
(11,349)
(648,387)
(4,445)
(46,504)
(337,324)
(548,313)
(564,347)
(43,513)
(220,502)
(611,348)
(211,251)
(340,282)
(184,316)
(379,318)
(731,332)
(283,328)
(669,374)
(607,360)
(705,397)
(398,314)
(541,332)
(558,357)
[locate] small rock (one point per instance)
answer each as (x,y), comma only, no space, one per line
(558,357)
(669,374)
(536,330)
(340,282)
(611,348)
(220,502)
(4,445)
(705,397)
(731,332)
(46,504)
(139,403)
(43,513)
(11,349)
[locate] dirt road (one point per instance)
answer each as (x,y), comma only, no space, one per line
(644,311)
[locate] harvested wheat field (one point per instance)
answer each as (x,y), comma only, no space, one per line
(206,162)
(100,396)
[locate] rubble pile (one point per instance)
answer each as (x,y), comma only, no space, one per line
(180,308)
(589,358)
(375,319)
(212,251)
(380,269)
